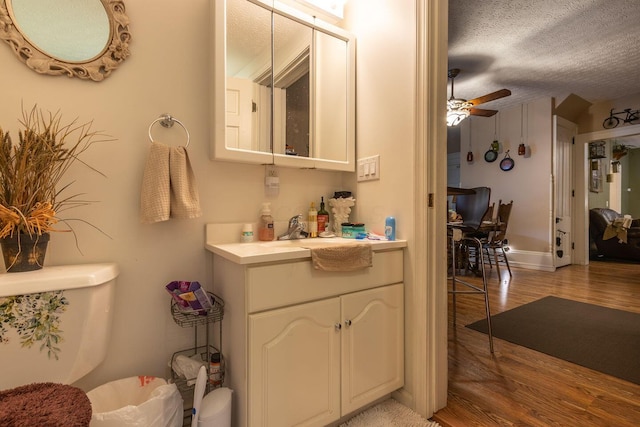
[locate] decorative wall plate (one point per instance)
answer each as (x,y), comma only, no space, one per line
(507,163)
(490,156)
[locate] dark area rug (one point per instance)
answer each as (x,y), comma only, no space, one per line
(599,338)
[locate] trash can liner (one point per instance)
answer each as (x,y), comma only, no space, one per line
(136,402)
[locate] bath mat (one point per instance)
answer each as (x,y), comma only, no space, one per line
(44,404)
(389,413)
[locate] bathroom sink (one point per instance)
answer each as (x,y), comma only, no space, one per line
(286,250)
(309,243)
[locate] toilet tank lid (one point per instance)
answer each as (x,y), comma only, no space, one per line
(61,277)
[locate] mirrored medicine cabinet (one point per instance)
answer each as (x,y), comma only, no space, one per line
(283,89)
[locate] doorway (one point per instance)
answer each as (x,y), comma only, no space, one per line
(628,135)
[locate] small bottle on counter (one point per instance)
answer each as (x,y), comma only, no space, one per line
(265,228)
(313,221)
(323,217)
(215,370)
(390,228)
(247,233)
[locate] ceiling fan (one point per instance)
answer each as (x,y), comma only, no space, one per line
(459,109)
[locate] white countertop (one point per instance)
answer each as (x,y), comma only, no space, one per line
(285,250)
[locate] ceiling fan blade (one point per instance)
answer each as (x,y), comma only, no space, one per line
(482,112)
(490,97)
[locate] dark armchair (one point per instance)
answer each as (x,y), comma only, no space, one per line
(608,242)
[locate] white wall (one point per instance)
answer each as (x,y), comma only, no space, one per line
(167,72)
(528,184)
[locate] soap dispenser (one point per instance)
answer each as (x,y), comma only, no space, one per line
(313,221)
(265,228)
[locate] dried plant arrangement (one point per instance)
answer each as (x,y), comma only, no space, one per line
(32,193)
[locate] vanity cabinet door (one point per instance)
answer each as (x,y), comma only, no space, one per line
(372,345)
(294,365)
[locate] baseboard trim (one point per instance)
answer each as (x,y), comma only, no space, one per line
(531,260)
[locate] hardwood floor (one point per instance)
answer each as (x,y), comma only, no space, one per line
(520,387)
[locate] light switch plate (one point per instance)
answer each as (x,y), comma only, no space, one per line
(369,168)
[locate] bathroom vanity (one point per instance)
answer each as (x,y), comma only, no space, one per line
(308,346)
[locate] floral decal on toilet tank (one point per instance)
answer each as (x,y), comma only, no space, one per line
(36,319)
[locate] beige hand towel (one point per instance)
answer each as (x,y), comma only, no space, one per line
(169,188)
(185,201)
(342,258)
(155,194)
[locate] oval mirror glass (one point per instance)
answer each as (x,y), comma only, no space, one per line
(71,31)
(77,38)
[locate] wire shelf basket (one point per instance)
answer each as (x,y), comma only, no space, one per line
(188,318)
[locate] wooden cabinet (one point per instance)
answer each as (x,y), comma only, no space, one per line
(307,347)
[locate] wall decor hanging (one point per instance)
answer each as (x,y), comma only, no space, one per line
(507,163)
(626,116)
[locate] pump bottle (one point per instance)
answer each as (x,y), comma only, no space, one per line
(313,221)
(265,228)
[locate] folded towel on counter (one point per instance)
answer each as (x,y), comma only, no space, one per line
(44,404)
(342,258)
(169,188)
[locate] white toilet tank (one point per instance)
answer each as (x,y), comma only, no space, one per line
(55,323)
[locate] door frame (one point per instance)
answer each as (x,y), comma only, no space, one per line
(581,217)
(430,211)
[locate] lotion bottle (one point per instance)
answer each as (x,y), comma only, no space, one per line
(313,221)
(265,228)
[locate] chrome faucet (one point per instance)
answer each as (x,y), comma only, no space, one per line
(295,230)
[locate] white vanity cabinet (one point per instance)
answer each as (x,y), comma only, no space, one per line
(312,363)
(306,347)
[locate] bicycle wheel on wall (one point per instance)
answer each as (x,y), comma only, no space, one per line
(610,122)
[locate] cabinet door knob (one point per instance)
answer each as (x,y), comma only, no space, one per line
(347,322)
(338,326)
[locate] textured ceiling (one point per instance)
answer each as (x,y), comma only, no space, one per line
(540,48)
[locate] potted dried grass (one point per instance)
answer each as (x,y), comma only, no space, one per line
(32,193)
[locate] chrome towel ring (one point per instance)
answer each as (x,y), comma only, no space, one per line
(167,121)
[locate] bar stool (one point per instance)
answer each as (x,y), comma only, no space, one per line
(464,238)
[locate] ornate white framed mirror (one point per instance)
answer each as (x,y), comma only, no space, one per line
(283,88)
(77,38)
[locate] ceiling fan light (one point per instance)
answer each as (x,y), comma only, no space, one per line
(457,111)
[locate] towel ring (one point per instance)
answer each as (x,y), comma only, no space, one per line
(167,121)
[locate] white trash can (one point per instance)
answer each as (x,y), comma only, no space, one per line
(215,410)
(136,402)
